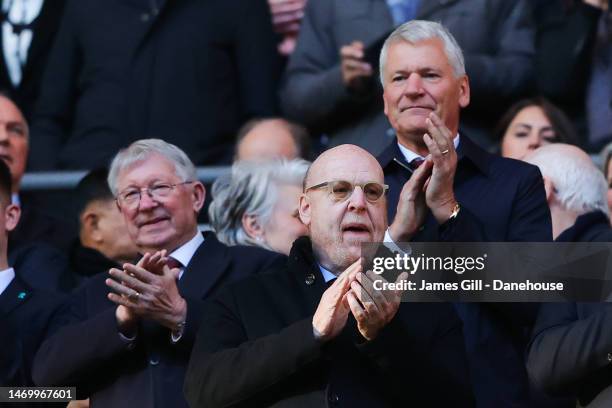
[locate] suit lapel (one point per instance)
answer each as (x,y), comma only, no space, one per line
(208,264)
(13,296)
(43,30)
(305,270)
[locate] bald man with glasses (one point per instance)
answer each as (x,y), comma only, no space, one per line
(315,332)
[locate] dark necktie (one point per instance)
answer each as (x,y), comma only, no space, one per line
(415,163)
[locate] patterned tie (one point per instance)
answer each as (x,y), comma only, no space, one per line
(415,163)
(403,10)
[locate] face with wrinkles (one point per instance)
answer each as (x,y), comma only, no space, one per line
(419,79)
(338,227)
(164,223)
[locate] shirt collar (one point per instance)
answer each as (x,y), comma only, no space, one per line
(327,275)
(409,155)
(6,277)
(184,253)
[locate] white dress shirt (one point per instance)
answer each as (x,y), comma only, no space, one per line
(15,46)
(185,252)
(327,275)
(6,277)
(409,155)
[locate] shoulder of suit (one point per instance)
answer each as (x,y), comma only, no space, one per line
(254,254)
(502,166)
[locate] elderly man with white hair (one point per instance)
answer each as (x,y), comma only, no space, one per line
(130,333)
(576,193)
(571,349)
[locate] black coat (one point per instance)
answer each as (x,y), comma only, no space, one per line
(44,28)
(256,348)
(571,347)
(189,72)
(28,316)
(89,353)
(501,200)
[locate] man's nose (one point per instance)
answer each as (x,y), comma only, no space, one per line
(414,85)
(357,200)
(146,201)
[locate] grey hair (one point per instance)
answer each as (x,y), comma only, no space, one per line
(580,185)
(415,31)
(141,150)
(251,188)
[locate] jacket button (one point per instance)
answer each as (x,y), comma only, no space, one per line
(144,17)
(333,399)
(610,357)
(310,279)
(154,361)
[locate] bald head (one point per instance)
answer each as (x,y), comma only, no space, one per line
(338,226)
(265,139)
(343,158)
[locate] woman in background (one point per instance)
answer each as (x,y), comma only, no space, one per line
(531,123)
(258,204)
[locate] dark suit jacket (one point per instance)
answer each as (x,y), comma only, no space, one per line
(29,316)
(496,36)
(189,72)
(501,200)
(256,348)
(571,347)
(43,32)
(90,354)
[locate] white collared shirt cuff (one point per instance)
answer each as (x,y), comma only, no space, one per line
(392,246)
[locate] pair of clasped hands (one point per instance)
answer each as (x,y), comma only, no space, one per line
(147,290)
(353,292)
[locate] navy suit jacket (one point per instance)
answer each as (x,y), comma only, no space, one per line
(571,348)
(501,200)
(148,372)
(27,316)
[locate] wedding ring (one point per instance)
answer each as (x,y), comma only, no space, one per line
(134,296)
(445,151)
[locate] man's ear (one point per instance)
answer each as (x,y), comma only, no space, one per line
(549,187)
(305,209)
(464,91)
(12,213)
(252,226)
(89,225)
(199,195)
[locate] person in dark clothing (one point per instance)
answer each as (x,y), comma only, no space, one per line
(141,321)
(103,241)
(190,72)
(570,349)
(28,30)
(573,63)
(28,316)
(315,332)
